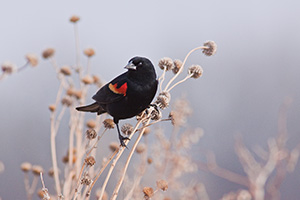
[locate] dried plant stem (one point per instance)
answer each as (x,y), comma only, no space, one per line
(180,70)
(187,77)
(121,150)
(76,33)
(155,122)
(88,66)
(100,172)
(23,67)
(45,190)
(53,144)
(2,76)
(162,78)
(118,186)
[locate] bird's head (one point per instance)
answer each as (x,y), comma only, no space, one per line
(140,64)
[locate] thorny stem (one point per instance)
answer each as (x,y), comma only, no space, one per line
(184,61)
(121,150)
(118,186)
(187,77)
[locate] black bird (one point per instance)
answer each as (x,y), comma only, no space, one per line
(127,95)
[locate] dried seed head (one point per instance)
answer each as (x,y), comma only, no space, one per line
(156,114)
(149,160)
(37,169)
(71,91)
(166,63)
(114,146)
(78,94)
(87,79)
(26,166)
(104,197)
(86,181)
(89,52)
(66,101)
(109,124)
(140,148)
(212,48)
(65,70)
(196,71)
(162,184)
(90,161)
(91,123)
(51,172)
(41,193)
(146,131)
(177,66)
(141,116)
(96,79)
(244,195)
(148,192)
(52,107)
(127,129)
(74,19)
(8,67)
(163,100)
(47,53)
(91,134)
(32,59)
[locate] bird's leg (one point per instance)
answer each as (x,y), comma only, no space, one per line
(121,137)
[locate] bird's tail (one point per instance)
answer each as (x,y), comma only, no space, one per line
(94,107)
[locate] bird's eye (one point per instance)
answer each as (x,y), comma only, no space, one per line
(140,64)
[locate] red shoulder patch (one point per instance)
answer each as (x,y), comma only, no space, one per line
(118,90)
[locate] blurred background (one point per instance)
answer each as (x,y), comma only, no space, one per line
(255,68)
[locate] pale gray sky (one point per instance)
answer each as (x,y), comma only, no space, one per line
(255,68)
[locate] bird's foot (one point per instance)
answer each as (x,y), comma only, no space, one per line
(122,139)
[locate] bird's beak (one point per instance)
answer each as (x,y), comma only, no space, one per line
(130,66)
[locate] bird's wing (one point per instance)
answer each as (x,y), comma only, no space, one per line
(112,91)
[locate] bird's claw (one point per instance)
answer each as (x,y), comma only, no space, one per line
(122,139)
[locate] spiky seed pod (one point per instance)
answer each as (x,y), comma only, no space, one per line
(156,114)
(47,53)
(162,184)
(87,79)
(109,124)
(212,48)
(26,166)
(8,67)
(91,124)
(65,70)
(127,129)
(140,148)
(74,19)
(114,146)
(52,107)
(66,101)
(177,66)
(163,100)
(89,52)
(32,59)
(90,161)
(166,63)
(91,134)
(37,169)
(196,71)
(148,192)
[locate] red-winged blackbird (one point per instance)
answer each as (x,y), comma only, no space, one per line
(128,94)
